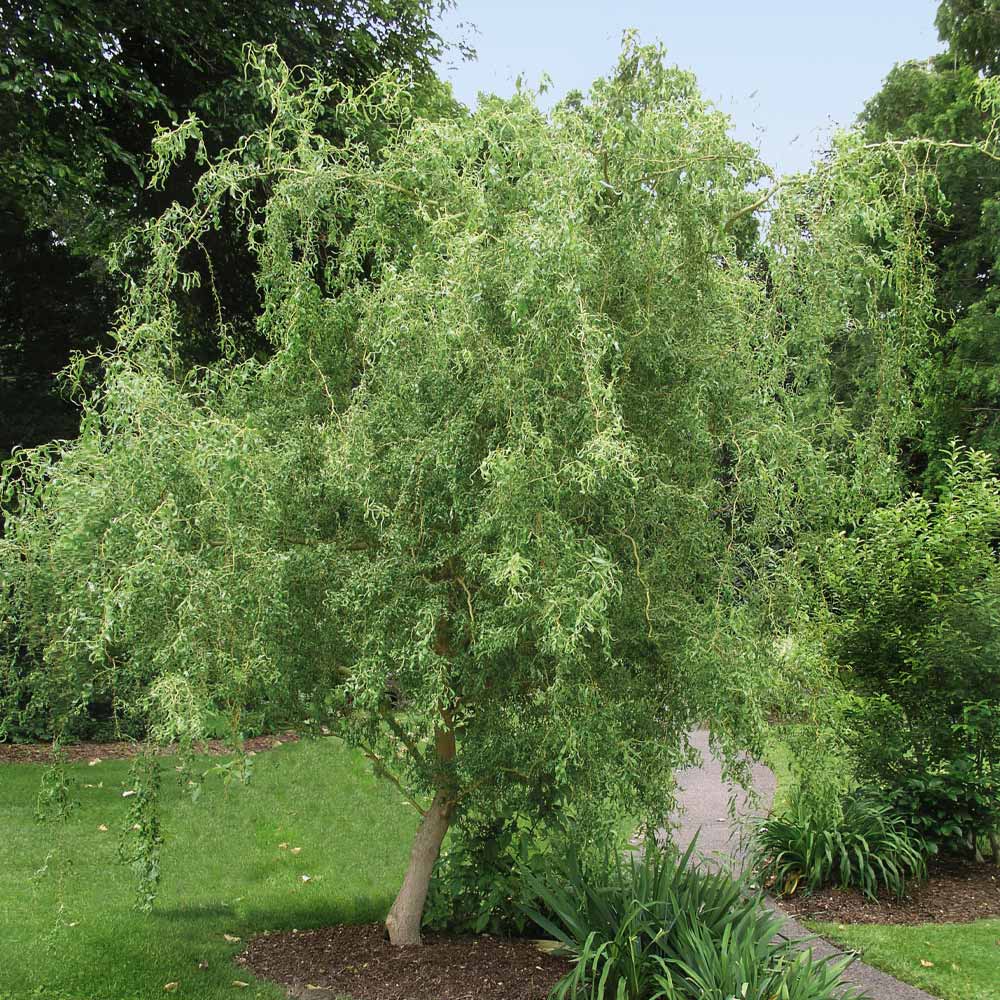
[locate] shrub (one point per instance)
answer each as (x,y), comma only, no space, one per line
(914,624)
(479,883)
(659,927)
(867,847)
(950,807)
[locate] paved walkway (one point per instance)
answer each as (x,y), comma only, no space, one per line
(704,799)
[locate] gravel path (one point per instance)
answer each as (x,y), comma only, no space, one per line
(704,800)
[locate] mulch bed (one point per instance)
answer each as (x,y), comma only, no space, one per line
(41,753)
(358,962)
(956,892)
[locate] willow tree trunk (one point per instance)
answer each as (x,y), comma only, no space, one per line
(403,921)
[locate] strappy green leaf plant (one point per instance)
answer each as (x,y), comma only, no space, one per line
(659,927)
(865,846)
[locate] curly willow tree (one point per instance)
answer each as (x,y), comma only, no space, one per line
(526,482)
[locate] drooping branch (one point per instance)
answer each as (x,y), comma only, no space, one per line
(642,580)
(383,770)
(928,144)
(400,733)
(468,601)
(751,208)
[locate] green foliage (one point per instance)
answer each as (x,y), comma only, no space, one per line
(142,840)
(914,602)
(84,85)
(530,469)
(485,876)
(83,88)
(479,883)
(972,30)
(807,751)
(658,927)
(866,846)
(55,796)
(947,99)
(948,808)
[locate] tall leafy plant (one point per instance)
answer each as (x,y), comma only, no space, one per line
(863,845)
(513,499)
(914,623)
(657,927)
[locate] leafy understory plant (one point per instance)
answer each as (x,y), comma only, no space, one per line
(865,846)
(953,809)
(657,927)
(912,622)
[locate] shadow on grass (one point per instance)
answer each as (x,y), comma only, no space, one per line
(318,913)
(184,914)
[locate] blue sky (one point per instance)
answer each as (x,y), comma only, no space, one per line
(786,71)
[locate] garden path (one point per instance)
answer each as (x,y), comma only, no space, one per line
(703,797)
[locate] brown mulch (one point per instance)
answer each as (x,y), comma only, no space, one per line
(41,753)
(358,962)
(956,892)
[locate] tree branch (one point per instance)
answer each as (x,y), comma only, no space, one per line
(933,144)
(301,540)
(383,771)
(750,209)
(402,736)
(642,580)
(468,601)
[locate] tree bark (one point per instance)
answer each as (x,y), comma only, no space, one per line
(973,843)
(407,913)
(403,921)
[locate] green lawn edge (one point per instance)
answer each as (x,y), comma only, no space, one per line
(965,958)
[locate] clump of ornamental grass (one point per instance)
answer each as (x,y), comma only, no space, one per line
(863,845)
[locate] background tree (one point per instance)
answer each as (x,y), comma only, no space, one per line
(942,98)
(520,490)
(972,30)
(83,87)
(906,613)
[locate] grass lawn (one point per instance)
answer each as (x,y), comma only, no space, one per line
(965,957)
(223,873)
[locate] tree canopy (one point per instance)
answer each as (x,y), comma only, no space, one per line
(521,490)
(943,99)
(972,30)
(85,84)
(83,88)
